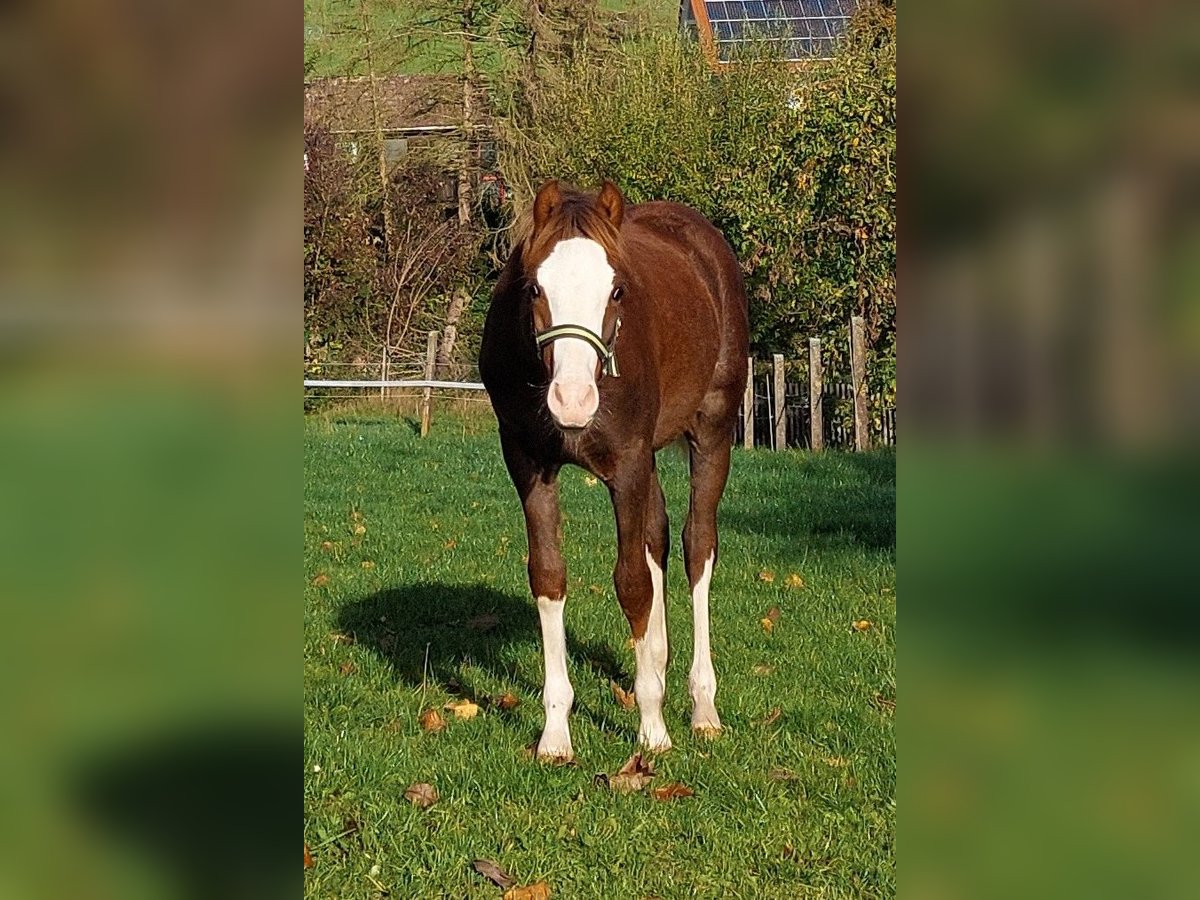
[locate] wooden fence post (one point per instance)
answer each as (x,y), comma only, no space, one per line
(748,406)
(816,385)
(858,375)
(780,403)
(427,394)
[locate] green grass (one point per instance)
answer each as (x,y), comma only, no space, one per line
(445,536)
(334,36)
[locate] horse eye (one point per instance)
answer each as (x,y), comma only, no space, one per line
(534,289)
(617,293)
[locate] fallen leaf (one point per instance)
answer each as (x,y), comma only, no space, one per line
(779,773)
(625,698)
(836,762)
(450,544)
(539,890)
(788,852)
(590,481)
(360,529)
(326,546)
(767,625)
(768,577)
(672,791)
(462,709)
(595,589)
(884,703)
(763,669)
(321,580)
(431,721)
(774,613)
(633,776)
(861,624)
(340,637)
(368,564)
(308,860)
(507,701)
(771,718)
(493,873)
(348,668)
(485,622)
(794,581)
(421,794)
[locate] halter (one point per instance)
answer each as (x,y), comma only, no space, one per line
(608,355)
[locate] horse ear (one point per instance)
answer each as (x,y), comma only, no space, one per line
(611,203)
(548,197)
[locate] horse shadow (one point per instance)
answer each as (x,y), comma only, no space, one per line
(457,636)
(168,792)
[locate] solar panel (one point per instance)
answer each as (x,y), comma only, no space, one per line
(795,29)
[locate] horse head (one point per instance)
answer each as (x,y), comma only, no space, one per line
(574,283)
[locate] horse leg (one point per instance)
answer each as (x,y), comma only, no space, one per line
(538,489)
(641,561)
(658,530)
(709,470)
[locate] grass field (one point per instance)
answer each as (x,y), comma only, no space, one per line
(334,37)
(416,595)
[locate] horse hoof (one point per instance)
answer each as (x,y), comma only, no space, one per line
(555,756)
(658,745)
(708,732)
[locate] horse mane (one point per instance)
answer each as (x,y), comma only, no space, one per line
(577,215)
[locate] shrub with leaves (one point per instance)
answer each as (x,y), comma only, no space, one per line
(795,164)
(372,293)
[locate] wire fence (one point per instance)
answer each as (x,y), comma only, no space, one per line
(349,382)
(837,403)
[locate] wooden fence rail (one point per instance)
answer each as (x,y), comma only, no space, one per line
(816,390)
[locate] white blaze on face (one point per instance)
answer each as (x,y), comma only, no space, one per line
(577,281)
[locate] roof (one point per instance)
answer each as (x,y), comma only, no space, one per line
(797,29)
(406,102)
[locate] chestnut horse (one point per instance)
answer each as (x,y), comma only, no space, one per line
(613,331)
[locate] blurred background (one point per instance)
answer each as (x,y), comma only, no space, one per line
(150,210)
(1049,498)
(150,272)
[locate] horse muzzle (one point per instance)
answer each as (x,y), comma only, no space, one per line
(573,404)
